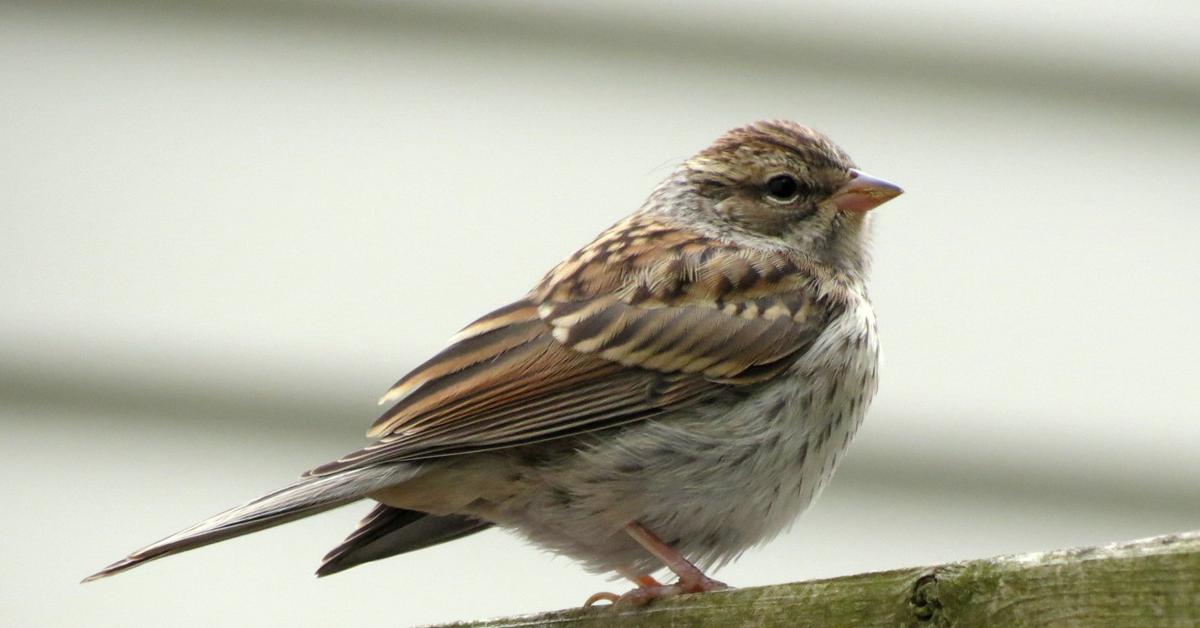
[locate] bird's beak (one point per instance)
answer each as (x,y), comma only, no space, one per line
(864,193)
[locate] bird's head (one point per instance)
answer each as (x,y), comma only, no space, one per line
(779,182)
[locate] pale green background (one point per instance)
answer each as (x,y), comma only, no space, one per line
(227,228)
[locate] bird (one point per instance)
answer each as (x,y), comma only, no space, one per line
(672,394)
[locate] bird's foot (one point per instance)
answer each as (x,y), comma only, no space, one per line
(646,594)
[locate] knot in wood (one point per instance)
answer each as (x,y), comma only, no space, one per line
(924,601)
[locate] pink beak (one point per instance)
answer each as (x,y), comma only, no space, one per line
(864,193)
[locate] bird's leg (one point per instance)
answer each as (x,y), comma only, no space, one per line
(691,579)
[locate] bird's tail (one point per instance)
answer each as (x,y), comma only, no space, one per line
(309,496)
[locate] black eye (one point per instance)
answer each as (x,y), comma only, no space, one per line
(783,187)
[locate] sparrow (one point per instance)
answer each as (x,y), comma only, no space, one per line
(670,395)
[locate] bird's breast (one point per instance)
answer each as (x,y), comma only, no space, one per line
(714,479)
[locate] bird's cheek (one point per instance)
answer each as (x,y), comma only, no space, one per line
(734,211)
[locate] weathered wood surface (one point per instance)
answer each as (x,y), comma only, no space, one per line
(1150,582)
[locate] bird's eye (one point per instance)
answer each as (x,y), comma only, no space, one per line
(783,187)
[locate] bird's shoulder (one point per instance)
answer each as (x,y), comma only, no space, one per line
(650,259)
(656,295)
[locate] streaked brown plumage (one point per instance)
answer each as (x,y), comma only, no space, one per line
(728,316)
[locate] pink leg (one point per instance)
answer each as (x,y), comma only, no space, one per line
(691,579)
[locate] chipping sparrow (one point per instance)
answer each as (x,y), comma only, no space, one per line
(672,394)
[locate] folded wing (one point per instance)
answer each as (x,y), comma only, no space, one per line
(644,320)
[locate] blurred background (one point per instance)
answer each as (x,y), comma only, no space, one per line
(229,226)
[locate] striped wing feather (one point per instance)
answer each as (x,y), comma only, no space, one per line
(627,329)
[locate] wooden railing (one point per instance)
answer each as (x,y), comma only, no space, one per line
(1150,582)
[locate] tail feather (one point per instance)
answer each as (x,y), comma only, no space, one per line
(307,497)
(388,531)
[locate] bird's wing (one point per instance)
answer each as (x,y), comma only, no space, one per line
(644,320)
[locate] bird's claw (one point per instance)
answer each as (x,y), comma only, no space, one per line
(644,595)
(611,598)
